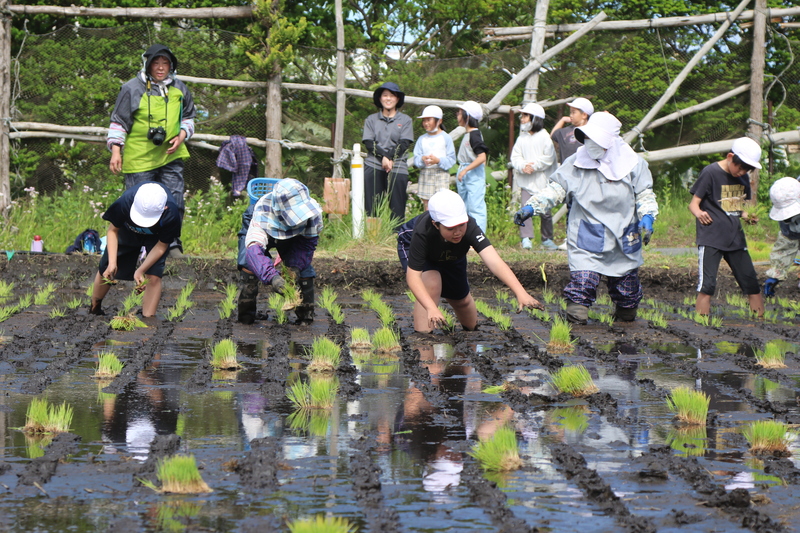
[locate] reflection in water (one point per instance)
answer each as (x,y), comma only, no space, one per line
(749,480)
(690,441)
(175,516)
(569,422)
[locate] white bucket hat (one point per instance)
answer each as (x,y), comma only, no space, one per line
(148,204)
(432,111)
(447,208)
(533,109)
(602,128)
(748,151)
(785,196)
(583,104)
(472,109)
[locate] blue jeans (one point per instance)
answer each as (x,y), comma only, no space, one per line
(170,175)
(472,190)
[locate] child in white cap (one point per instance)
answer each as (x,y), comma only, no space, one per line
(472,156)
(146,215)
(718,198)
(785,196)
(434,154)
(433,248)
(534,159)
(563,133)
(612,211)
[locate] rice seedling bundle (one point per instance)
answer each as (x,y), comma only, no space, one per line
(223,355)
(179,474)
(126,323)
(360,338)
(561,340)
(574,380)
(317,393)
(768,436)
(43,417)
(500,453)
(322,524)
(690,406)
(108,365)
(386,340)
(325,355)
(772,356)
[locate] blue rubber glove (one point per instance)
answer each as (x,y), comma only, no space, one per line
(522,215)
(646,228)
(769,287)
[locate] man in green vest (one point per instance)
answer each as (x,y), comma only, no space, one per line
(152,118)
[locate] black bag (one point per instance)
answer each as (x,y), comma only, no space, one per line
(87,242)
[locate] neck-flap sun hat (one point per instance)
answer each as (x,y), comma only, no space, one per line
(533,109)
(583,104)
(602,128)
(447,208)
(392,86)
(472,109)
(148,205)
(748,151)
(291,206)
(785,196)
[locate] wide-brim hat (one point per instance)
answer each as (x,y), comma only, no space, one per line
(291,206)
(148,204)
(785,196)
(391,86)
(602,128)
(447,208)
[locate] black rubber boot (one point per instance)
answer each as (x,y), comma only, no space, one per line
(248,294)
(577,313)
(305,311)
(624,314)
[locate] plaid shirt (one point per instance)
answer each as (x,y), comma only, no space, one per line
(237,157)
(298,218)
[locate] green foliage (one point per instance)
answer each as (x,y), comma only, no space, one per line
(182,303)
(276,303)
(6,290)
(359,338)
(57,312)
(44,294)
(772,356)
(270,45)
(690,406)
(386,340)
(496,314)
(227,305)
(561,340)
(500,453)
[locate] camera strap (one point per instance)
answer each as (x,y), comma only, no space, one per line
(166,104)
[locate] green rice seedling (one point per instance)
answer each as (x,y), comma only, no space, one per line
(782,302)
(337,315)
(690,406)
(89,290)
(108,365)
(650,302)
(411,296)
(386,340)
(44,294)
(43,417)
(604,299)
(316,393)
(768,437)
(502,320)
(359,338)
(574,380)
(689,300)
(57,312)
(499,453)
(603,318)
(449,320)
(385,313)
(315,422)
(562,304)
(25,302)
(737,300)
(690,441)
(322,524)
(275,303)
(182,303)
(703,320)
(548,296)
(542,314)
(561,340)
(327,297)
(178,474)
(325,355)
(497,389)
(369,296)
(6,289)
(75,303)
(716,321)
(770,315)
(573,419)
(223,355)
(227,305)
(502,296)
(658,319)
(291,293)
(126,323)
(131,301)
(772,356)
(7,311)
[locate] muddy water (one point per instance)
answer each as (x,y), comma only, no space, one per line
(393,452)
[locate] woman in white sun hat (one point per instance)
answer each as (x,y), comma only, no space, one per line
(785,196)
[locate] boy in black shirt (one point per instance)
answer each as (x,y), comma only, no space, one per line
(718,203)
(145,215)
(436,259)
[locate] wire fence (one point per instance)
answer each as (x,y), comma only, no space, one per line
(72,77)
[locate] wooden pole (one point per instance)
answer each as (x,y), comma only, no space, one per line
(698,107)
(338,137)
(537,46)
(533,65)
(5,107)
(718,147)
(135,12)
(673,87)
(757,83)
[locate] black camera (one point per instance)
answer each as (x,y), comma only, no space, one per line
(157,135)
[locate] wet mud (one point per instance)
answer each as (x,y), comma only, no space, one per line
(394,451)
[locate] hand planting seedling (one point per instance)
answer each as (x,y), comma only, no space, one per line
(178,474)
(690,406)
(499,453)
(320,524)
(574,380)
(140,287)
(42,417)
(561,340)
(772,356)
(108,365)
(449,325)
(360,339)
(769,437)
(325,355)
(223,355)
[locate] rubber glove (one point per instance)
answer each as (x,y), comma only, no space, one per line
(522,215)
(769,287)
(646,228)
(278,283)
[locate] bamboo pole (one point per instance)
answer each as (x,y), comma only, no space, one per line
(135,12)
(698,107)
(524,32)
(673,87)
(533,65)
(757,61)
(718,147)
(537,47)
(5,107)
(338,136)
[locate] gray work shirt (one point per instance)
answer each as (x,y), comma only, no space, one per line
(387,132)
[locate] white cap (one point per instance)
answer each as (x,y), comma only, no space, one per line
(473,109)
(785,196)
(148,204)
(583,104)
(432,111)
(533,109)
(447,208)
(602,128)
(748,151)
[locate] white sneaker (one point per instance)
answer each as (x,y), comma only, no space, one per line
(562,246)
(526,243)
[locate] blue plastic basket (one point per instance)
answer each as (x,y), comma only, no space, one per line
(258,187)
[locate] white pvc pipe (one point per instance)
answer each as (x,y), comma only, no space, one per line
(357,191)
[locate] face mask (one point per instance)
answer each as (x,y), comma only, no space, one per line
(594,150)
(525,126)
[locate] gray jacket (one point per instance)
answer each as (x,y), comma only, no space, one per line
(388,137)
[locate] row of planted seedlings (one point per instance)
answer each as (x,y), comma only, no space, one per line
(43,296)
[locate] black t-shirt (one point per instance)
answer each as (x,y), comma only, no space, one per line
(722,197)
(427,243)
(567,143)
(168,227)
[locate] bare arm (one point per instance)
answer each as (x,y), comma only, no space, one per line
(560,124)
(417,286)
(702,216)
(504,273)
(151,259)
